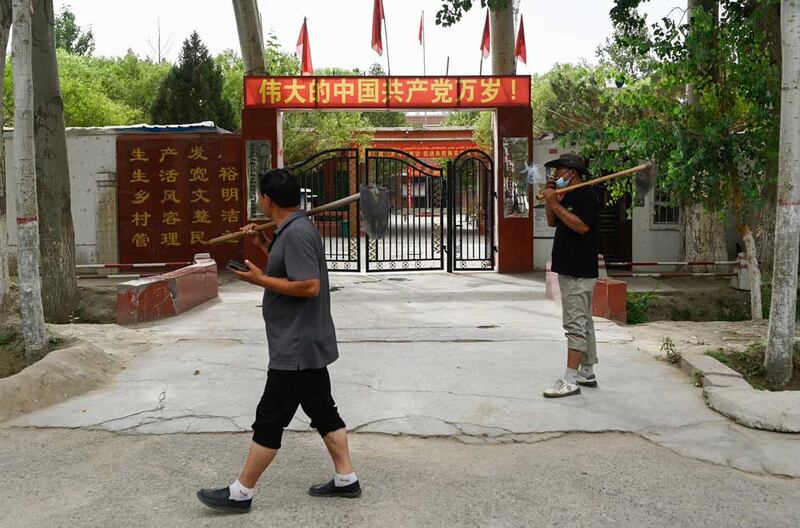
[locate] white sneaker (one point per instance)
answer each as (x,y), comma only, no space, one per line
(586,381)
(561,389)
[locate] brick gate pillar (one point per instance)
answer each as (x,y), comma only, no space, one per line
(514,235)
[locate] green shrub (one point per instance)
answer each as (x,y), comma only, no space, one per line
(639,304)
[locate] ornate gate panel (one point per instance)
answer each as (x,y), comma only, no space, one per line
(416,212)
(323,178)
(470,212)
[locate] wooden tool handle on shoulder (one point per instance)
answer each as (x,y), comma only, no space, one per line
(327,207)
(626,172)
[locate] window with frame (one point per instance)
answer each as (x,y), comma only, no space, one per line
(665,212)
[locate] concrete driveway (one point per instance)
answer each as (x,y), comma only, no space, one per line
(430,354)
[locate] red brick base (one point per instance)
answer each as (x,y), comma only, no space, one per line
(610,300)
(166,295)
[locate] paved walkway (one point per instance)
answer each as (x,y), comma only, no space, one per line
(464,356)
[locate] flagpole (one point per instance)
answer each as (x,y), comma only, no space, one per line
(480,71)
(424,67)
(386,35)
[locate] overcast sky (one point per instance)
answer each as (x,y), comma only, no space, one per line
(340,30)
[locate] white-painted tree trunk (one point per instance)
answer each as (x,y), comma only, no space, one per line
(251,39)
(756,312)
(30,289)
(503,62)
(5,29)
(780,336)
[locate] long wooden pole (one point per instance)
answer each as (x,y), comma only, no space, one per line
(263,227)
(626,172)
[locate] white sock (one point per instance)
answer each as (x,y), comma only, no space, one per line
(239,492)
(344,480)
(587,371)
(570,374)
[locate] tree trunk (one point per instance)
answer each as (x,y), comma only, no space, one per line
(703,235)
(30,293)
(251,40)
(780,336)
(763,223)
(503,62)
(59,283)
(756,311)
(703,232)
(5,28)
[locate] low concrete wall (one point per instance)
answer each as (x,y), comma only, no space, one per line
(166,295)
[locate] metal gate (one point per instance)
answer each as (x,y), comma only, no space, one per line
(323,178)
(470,212)
(416,212)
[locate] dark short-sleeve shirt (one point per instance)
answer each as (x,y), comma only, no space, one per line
(300,330)
(575,254)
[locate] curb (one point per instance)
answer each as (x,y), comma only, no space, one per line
(726,391)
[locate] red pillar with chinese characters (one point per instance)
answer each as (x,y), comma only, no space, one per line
(260,124)
(514,235)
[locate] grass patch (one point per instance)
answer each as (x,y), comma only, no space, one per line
(638,305)
(750,364)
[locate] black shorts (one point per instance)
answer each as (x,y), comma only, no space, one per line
(285,390)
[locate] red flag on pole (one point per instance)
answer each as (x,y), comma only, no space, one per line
(304,51)
(485,46)
(520,52)
(421,26)
(377,17)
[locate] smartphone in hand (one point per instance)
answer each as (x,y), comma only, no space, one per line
(235,265)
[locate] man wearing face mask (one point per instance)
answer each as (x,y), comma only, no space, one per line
(302,343)
(574,215)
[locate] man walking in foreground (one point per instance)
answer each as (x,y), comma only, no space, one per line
(302,343)
(574,215)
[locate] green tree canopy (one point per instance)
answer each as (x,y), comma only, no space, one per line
(193,90)
(70,36)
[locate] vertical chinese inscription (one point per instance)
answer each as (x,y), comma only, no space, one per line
(175,192)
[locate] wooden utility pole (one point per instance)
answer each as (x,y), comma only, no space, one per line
(251,39)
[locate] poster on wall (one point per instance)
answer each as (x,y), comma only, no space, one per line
(259,161)
(176,191)
(515,178)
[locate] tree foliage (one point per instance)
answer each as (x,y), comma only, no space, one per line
(712,151)
(193,90)
(70,36)
(451,11)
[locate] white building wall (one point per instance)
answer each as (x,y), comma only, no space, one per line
(649,242)
(92,167)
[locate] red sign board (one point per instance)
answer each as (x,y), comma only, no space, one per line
(428,149)
(386,92)
(175,191)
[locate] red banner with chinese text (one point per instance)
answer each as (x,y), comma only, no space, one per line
(431,150)
(386,92)
(175,191)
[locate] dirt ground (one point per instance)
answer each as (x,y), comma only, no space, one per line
(97,305)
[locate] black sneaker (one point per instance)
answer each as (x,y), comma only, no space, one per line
(586,381)
(329,489)
(220,500)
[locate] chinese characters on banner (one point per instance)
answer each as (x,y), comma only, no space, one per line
(387,92)
(176,191)
(432,150)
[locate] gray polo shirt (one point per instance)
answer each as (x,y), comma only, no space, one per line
(300,330)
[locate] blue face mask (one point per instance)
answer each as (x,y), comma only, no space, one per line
(562,182)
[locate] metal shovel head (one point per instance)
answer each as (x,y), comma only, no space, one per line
(374,210)
(645,180)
